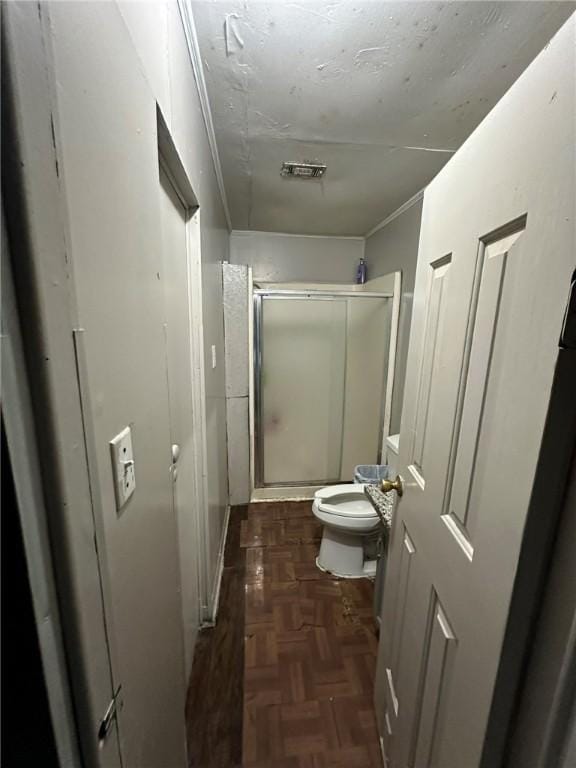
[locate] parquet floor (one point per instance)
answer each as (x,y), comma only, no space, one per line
(309,651)
(214,704)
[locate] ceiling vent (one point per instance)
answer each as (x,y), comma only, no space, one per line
(303,170)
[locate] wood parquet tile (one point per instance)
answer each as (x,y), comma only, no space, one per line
(259,532)
(309,650)
(285,678)
(214,704)
(280,510)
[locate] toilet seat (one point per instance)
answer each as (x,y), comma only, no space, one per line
(335,490)
(347,501)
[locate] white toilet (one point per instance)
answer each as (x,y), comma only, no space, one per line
(348,517)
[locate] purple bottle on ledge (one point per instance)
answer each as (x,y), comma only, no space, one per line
(361,272)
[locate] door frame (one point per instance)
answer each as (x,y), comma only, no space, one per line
(537,716)
(171,164)
(27,477)
(391,368)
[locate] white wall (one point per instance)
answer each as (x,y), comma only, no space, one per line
(280,258)
(393,248)
(158,38)
(108,67)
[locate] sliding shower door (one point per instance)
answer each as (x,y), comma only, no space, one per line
(302,350)
(319,384)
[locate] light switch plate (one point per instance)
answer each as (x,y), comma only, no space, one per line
(123,467)
(213,355)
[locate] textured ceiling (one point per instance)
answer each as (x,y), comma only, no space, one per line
(382,93)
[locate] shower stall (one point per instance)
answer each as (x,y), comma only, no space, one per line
(321,362)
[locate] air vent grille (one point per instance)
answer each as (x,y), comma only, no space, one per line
(303,170)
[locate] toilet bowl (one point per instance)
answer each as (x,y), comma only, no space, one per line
(348,517)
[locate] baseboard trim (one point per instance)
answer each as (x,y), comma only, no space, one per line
(215,599)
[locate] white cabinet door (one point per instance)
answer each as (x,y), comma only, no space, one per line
(496,254)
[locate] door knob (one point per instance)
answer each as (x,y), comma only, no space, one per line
(392,485)
(175,453)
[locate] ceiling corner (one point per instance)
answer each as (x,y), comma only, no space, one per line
(187,17)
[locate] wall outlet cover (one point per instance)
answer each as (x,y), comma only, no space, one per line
(123,470)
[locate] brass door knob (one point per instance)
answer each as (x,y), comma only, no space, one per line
(392,485)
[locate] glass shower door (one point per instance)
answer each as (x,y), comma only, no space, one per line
(302,371)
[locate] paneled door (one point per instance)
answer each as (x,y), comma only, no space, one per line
(496,253)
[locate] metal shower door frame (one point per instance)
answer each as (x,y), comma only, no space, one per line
(281,294)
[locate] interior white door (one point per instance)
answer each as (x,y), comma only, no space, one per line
(495,258)
(178,351)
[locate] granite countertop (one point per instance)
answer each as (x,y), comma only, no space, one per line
(383,503)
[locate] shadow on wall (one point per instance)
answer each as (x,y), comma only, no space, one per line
(279,258)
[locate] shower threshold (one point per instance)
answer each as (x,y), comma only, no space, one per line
(285,493)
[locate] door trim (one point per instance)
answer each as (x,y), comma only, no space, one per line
(391,367)
(513,700)
(171,164)
(27,477)
(199,406)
